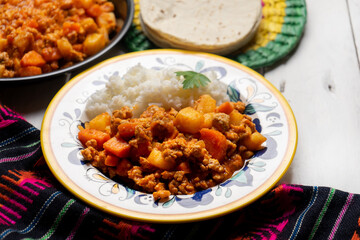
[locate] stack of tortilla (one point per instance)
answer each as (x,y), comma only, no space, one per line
(215,26)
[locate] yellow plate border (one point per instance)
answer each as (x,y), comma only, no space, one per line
(173,218)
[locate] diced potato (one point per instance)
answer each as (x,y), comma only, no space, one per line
(2,69)
(105,33)
(100,122)
(107,20)
(248,130)
(235,118)
(189,120)
(208,119)
(29,71)
(65,47)
(156,159)
(89,25)
(94,43)
(254,141)
(17,64)
(3,44)
(23,41)
(205,104)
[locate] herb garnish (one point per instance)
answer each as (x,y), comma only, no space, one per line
(193,79)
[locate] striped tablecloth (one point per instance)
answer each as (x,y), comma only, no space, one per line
(33,205)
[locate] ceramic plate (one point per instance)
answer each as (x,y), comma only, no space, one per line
(264,103)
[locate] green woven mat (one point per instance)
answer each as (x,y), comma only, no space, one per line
(279,32)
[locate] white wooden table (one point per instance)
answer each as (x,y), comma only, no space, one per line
(320,80)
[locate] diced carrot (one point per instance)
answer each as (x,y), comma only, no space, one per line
(32,23)
(118,147)
(32,58)
(94,10)
(50,54)
(88,134)
(184,166)
(69,27)
(215,143)
(29,71)
(226,107)
(111,160)
(127,130)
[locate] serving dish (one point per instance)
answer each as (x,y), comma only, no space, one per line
(114,39)
(264,103)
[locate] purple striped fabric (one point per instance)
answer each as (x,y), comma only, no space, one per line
(34,205)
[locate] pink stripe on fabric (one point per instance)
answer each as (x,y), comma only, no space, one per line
(17,194)
(5,123)
(12,212)
(21,157)
(29,190)
(21,186)
(341,215)
(12,114)
(78,223)
(16,204)
(3,222)
(6,218)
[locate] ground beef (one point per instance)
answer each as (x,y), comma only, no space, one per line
(163,160)
(221,122)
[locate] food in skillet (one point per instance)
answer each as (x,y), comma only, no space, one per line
(40,36)
(169,151)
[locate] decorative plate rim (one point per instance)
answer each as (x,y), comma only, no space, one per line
(88,198)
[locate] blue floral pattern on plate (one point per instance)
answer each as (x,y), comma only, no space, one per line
(269,110)
(255,102)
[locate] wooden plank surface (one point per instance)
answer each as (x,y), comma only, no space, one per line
(322,84)
(354,13)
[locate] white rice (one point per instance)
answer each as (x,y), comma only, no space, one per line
(141,87)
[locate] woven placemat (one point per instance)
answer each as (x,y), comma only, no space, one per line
(279,32)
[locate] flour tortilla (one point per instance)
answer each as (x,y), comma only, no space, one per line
(216,26)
